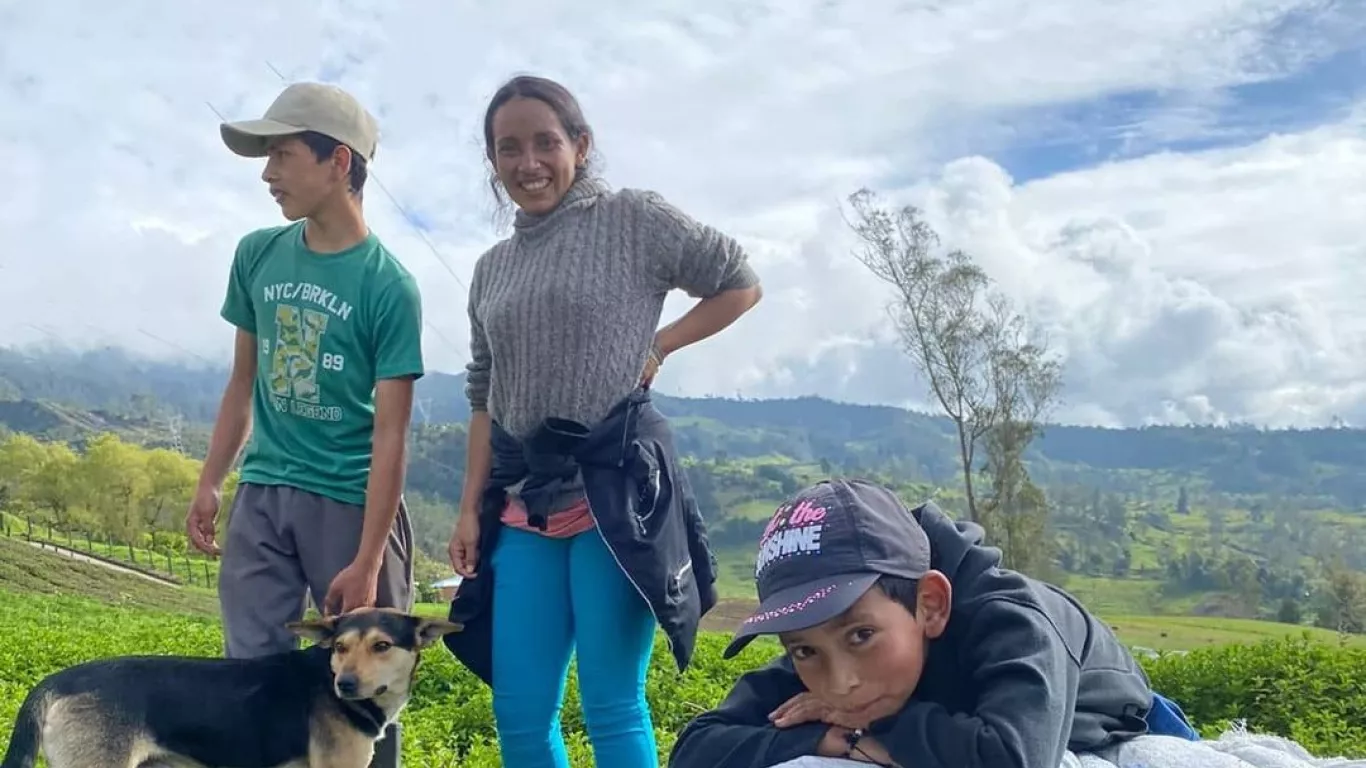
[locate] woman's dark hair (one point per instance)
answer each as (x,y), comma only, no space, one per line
(555,96)
(323,146)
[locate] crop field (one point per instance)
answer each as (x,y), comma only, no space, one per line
(55,613)
(450,715)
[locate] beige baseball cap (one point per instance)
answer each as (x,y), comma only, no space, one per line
(301,107)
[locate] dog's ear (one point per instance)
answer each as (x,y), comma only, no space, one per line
(431,630)
(320,630)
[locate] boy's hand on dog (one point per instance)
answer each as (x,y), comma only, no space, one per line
(805,707)
(354,587)
(199,522)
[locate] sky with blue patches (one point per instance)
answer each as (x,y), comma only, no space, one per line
(1125,125)
(1170,188)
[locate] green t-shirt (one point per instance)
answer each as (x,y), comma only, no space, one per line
(328,326)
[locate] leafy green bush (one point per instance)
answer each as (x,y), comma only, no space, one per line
(1305,690)
(1309,691)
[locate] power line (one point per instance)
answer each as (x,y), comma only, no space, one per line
(425,321)
(422,405)
(170,343)
(408,217)
(402,210)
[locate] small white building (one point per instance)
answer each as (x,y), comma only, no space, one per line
(446,588)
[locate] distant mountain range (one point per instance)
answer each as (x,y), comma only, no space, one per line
(66,393)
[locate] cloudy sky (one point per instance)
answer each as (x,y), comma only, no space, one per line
(1168,186)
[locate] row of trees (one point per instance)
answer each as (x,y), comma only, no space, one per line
(111,488)
(117,491)
(1330,593)
(1269,559)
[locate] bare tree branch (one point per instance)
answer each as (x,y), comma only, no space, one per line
(990,372)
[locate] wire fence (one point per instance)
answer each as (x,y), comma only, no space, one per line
(166,565)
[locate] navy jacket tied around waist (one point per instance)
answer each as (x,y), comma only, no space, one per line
(639,497)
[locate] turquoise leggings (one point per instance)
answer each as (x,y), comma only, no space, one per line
(552,596)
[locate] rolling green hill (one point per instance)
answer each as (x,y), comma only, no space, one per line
(1321,464)
(1229,521)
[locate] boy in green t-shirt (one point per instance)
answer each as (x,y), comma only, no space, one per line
(329,331)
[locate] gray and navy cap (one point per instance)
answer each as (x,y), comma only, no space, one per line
(823,549)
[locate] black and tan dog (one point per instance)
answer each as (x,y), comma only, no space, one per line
(324,705)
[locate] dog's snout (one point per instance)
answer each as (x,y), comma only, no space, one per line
(347,685)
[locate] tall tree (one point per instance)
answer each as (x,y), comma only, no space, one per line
(1342,599)
(979,358)
(1024,387)
(114,477)
(54,487)
(171,479)
(20,457)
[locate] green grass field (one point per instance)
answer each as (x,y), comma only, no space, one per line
(448,723)
(26,569)
(55,612)
(1185,633)
(1126,604)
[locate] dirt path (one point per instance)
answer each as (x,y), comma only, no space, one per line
(82,557)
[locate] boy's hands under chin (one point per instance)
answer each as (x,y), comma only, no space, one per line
(805,707)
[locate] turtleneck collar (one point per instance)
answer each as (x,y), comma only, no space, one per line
(583,192)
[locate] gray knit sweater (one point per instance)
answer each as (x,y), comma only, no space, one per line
(562,313)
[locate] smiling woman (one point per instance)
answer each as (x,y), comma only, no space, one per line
(539,143)
(601,541)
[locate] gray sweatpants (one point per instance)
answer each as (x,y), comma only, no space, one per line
(283,543)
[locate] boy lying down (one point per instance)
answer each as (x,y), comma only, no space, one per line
(908,645)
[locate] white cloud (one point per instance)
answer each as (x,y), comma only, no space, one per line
(1207,286)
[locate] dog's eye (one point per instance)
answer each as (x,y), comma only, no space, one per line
(382,646)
